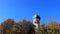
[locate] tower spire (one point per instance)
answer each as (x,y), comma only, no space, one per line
(36,20)
(36,12)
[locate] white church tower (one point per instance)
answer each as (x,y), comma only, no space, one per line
(36,21)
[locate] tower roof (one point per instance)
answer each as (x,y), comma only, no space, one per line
(36,16)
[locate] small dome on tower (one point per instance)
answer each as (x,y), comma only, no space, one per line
(36,16)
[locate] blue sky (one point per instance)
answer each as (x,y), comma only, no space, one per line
(25,9)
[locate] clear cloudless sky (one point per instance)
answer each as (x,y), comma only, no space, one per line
(25,9)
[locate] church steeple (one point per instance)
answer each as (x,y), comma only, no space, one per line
(36,20)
